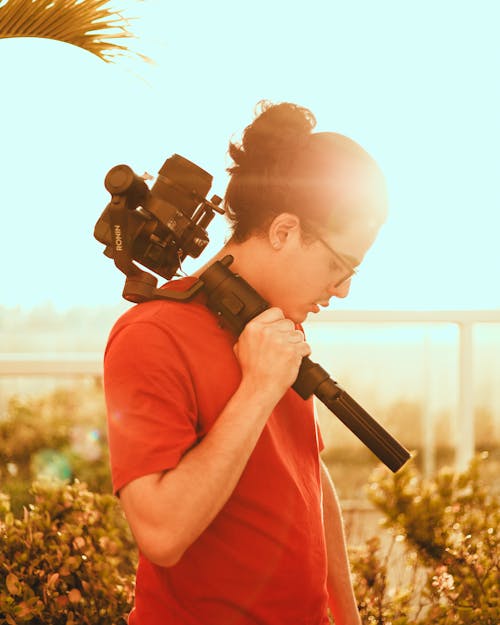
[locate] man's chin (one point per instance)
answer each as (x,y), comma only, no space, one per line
(298,316)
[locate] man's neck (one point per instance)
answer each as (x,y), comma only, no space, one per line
(250,259)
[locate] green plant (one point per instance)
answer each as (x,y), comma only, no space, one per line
(61,435)
(381,602)
(68,559)
(451,524)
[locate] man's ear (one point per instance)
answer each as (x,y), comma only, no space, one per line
(282,228)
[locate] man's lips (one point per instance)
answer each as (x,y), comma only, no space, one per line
(315,307)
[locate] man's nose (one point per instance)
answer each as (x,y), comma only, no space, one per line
(340,291)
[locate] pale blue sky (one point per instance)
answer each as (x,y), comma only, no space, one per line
(416,83)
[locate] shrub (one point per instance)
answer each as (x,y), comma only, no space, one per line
(450,525)
(62,435)
(69,558)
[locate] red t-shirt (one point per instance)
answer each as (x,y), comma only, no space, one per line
(169,371)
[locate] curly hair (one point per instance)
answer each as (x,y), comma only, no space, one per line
(259,185)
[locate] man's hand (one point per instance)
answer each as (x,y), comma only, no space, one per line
(270,350)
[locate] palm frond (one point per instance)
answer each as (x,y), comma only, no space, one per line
(88,24)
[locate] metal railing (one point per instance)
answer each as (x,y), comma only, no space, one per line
(57,364)
(465,320)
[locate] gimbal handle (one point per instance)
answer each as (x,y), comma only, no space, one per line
(236,302)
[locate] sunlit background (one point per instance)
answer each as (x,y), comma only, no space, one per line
(416,83)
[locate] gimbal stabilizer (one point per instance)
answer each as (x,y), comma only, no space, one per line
(228,294)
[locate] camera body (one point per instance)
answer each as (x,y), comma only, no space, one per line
(156,227)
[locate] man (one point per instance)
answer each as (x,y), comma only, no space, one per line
(214,457)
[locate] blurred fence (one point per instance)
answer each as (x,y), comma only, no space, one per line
(476,358)
(337,335)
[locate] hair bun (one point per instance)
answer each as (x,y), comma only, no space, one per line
(275,135)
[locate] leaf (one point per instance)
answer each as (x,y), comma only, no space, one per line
(74,595)
(14,586)
(61,601)
(23,610)
(52,580)
(90,25)
(79,542)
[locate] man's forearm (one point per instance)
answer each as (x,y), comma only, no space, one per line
(342,601)
(168,511)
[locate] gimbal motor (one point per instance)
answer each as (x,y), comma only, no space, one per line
(156,227)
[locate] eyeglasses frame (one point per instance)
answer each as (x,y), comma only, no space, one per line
(350,269)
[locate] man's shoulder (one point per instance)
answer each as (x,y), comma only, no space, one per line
(168,314)
(157,327)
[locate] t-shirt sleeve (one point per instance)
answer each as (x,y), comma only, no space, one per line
(151,406)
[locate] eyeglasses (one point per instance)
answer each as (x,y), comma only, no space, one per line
(348,270)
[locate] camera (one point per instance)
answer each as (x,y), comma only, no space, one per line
(156,227)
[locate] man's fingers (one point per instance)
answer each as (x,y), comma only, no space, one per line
(274,319)
(295,336)
(270,315)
